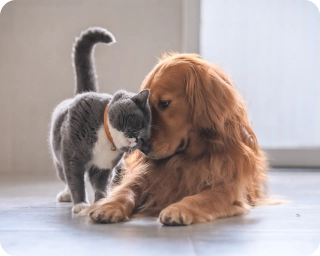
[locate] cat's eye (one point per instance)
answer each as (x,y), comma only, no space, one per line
(163,104)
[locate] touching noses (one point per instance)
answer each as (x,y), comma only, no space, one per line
(146,146)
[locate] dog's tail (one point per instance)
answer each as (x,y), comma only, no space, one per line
(83,60)
(271,200)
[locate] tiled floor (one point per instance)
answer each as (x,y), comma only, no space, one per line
(32,223)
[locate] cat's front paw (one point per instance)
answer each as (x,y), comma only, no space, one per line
(112,212)
(79,207)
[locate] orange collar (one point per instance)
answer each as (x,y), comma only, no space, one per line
(106,128)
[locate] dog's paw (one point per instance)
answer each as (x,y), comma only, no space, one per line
(174,215)
(112,212)
(64,196)
(79,207)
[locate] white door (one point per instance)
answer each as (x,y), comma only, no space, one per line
(271,50)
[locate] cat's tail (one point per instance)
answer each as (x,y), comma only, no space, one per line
(83,59)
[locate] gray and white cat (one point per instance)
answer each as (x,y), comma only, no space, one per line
(78,139)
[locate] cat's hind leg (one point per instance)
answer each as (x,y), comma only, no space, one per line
(100,181)
(75,180)
(64,195)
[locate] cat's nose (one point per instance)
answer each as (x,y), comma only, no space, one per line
(143,140)
(146,148)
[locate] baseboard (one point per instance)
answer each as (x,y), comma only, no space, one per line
(300,157)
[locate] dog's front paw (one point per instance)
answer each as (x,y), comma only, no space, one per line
(174,215)
(111,212)
(79,207)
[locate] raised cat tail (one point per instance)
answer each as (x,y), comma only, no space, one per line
(83,59)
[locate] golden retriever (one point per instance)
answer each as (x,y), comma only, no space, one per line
(204,160)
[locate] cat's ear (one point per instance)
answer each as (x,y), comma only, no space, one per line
(141,98)
(118,95)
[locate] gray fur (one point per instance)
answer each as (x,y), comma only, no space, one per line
(130,113)
(83,58)
(77,123)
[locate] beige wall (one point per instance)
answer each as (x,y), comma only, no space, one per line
(36,37)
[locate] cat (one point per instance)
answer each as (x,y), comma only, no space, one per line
(91,132)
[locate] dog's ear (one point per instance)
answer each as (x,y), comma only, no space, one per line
(211,95)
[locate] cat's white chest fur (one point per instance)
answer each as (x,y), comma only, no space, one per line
(120,140)
(102,155)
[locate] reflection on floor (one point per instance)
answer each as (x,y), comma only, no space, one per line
(32,223)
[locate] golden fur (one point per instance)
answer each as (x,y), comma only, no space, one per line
(205,161)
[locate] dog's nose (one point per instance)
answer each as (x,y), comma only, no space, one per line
(146,148)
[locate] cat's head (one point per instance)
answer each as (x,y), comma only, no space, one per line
(129,119)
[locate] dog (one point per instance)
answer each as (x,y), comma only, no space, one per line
(203,161)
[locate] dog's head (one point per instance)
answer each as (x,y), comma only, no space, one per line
(189,98)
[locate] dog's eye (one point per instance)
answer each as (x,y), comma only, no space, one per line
(163,104)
